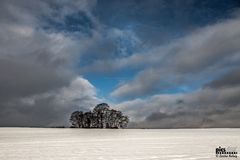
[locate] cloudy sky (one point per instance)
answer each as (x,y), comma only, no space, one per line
(164,63)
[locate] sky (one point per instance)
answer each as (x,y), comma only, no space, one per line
(164,63)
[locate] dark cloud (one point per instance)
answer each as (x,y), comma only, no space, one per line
(217,119)
(158,22)
(45,44)
(108,52)
(231,79)
(51,108)
(207,107)
(73,23)
(20,80)
(39,86)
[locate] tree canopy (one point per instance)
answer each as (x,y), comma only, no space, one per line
(101,117)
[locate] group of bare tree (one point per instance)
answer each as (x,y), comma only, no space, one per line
(101,117)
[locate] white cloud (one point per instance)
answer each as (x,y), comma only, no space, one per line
(202,108)
(213,49)
(79,92)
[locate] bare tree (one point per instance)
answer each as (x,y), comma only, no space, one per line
(101,117)
(76,119)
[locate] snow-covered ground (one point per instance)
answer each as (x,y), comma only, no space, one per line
(122,144)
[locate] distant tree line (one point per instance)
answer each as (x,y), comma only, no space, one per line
(101,117)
